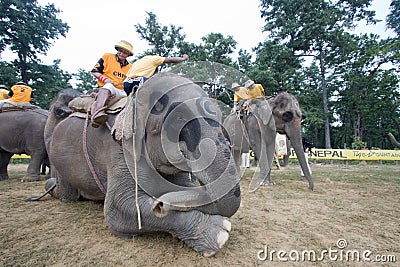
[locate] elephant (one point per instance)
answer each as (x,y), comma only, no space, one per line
(22,132)
(393,140)
(256,130)
(161,165)
(287,115)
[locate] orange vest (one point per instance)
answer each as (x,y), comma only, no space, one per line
(21,93)
(110,67)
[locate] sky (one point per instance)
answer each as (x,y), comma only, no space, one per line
(96,26)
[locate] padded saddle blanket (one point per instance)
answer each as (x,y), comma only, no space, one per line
(81,105)
(13,106)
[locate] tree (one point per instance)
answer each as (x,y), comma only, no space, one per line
(214,48)
(27,28)
(8,74)
(365,99)
(276,68)
(164,40)
(314,28)
(393,19)
(49,80)
(86,81)
(393,44)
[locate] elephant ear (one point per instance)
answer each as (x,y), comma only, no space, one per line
(123,125)
(262,110)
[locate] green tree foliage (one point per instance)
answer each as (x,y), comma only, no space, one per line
(393,19)
(214,48)
(163,40)
(365,96)
(49,80)
(27,29)
(392,45)
(311,105)
(276,68)
(8,74)
(86,82)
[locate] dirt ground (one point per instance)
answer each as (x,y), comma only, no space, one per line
(352,218)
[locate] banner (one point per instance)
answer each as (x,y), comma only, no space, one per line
(348,154)
(20,156)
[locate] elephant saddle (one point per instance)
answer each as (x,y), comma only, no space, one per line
(81,105)
(14,106)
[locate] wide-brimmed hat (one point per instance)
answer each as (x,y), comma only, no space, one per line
(235,85)
(125,45)
(248,84)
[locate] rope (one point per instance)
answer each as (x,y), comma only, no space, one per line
(85,152)
(135,168)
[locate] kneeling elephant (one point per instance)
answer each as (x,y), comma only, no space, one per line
(165,166)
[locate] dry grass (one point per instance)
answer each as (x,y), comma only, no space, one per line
(358,203)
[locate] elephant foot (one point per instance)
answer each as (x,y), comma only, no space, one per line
(210,235)
(3,176)
(30,178)
(268,182)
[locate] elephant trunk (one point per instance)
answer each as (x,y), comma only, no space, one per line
(297,144)
(221,183)
(178,201)
(393,140)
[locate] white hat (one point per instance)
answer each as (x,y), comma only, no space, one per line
(248,84)
(124,45)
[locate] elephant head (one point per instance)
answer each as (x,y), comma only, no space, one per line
(177,132)
(59,110)
(287,116)
(257,131)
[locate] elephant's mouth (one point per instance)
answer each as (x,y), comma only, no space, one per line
(175,160)
(287,116)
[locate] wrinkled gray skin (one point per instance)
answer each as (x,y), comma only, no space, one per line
(191,213)
(256,131)
(287,115)
(22,133)
(393,140)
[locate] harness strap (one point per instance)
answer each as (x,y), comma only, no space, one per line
(85,152)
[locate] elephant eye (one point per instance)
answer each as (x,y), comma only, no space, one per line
(160,105)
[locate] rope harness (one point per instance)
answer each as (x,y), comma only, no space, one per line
(87,157)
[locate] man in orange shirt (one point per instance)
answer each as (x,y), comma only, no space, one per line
(20,92)
(110,71)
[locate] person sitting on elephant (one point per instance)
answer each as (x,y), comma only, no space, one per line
(240,93)
(4,92)
(254,90)
(145,67)
(110,72)
(20,93)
